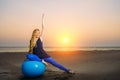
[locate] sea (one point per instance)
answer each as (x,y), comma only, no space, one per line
(25,49)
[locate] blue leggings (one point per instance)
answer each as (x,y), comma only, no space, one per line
(50,60)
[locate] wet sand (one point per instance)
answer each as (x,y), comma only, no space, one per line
(88,65)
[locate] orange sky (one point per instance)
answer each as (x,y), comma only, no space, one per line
(82,22)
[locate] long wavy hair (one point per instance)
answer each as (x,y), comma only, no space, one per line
(33,40)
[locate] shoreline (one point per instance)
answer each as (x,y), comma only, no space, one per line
(25,49)
(65,51)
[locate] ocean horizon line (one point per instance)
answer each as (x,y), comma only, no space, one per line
(63,47)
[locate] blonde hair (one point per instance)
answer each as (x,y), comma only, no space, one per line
(33,41)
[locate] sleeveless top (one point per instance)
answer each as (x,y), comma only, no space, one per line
(38,49)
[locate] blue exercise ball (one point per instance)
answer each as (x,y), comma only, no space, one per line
(33,68)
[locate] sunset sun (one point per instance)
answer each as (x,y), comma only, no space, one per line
(66,40)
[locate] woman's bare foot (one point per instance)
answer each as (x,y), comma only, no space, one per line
(71,72)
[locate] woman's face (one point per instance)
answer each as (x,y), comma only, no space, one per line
(37,34)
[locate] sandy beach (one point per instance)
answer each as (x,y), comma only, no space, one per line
(88,65)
